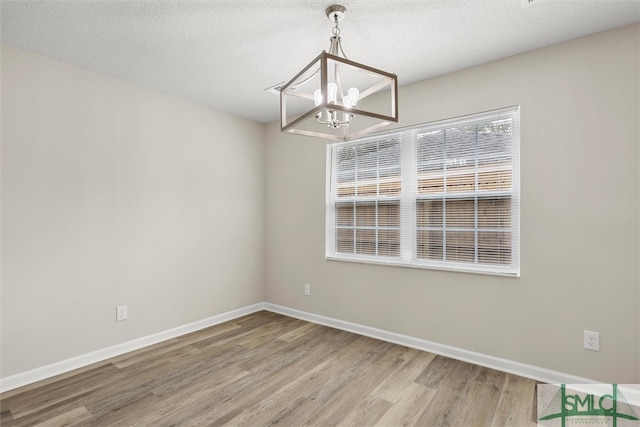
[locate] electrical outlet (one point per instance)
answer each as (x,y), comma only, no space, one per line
(592,340)
(307,290)
(121,313)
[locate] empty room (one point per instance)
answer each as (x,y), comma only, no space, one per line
(371,213)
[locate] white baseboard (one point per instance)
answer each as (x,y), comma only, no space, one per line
(48,371)
(504,365)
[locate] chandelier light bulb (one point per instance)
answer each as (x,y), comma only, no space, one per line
(332,93)
(317,97)
(353,94)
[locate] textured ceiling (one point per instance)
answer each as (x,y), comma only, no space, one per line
(225,53)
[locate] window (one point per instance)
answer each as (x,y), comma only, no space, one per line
(439,195)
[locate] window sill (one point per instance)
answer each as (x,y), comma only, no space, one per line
(396,262)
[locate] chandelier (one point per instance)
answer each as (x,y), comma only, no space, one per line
(333,97)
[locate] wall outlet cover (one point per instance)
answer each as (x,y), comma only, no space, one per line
(121,313)
(592,340)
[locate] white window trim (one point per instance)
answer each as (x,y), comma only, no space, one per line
(408,205)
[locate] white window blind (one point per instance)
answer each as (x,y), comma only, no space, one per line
(438,195)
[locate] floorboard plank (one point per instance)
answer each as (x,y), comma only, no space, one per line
(75,416)
(366,413)
(409,406)
(393,388)
(516,401)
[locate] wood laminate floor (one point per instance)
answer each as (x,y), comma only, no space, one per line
(268,369)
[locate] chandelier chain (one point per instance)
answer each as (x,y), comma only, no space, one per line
(336,29)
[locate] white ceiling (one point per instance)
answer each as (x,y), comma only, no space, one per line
(225,53)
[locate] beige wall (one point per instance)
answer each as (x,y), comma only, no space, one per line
(115,194)
(580,218)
